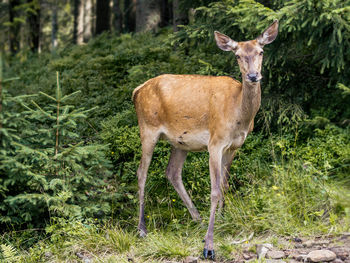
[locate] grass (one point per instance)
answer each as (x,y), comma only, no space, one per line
(244,219)
(278,199)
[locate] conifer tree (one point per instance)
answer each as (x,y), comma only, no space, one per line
(47,168)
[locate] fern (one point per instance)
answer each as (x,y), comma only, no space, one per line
(9,253)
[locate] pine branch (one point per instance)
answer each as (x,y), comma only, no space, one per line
(47,95)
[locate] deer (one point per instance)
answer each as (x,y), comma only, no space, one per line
(201,113)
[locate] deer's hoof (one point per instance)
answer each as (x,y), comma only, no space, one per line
(209,254)
(142,233)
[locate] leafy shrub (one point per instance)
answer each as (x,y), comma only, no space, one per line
(328,151)
(285,202)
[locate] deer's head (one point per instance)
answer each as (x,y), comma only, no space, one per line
(249,54)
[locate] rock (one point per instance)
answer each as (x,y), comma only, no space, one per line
(308,243)
(268,245)
(288,252)
(337,260)
(246,256)
(303,251)
(301,257)
(274,261)
(79,255)
(321,255)
(341,252)
(84,258)
(322,242)
(262,249)
(298,245)
(191,259)
(297,239)
(344,236)
(274,254)
(48,254)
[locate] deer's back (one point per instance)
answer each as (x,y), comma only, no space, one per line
(185,107)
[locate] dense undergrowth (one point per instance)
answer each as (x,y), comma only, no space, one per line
(68,179)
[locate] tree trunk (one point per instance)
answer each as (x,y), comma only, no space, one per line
(102,16)
(80,22)
(54,27)
(33,19)
(129,15)
(165,13)
(0,94)
(87,20)
(117,16)
(14,26)
(179,16)
(76,4)
(147,15)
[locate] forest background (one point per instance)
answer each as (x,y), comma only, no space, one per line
(70,144)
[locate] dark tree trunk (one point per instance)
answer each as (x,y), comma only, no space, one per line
(179,16)
(33,19)
(0,93)
(165,13)
(117,16)
(147,15)
(54,26)
(14,27)
(76,4)
(129,15)
(102,16)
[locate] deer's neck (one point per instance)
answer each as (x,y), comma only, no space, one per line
(251,97)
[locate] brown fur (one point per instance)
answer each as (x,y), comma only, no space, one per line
(196,113)
(171,102)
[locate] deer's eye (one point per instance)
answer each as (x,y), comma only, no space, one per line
(261,53)
(238,57)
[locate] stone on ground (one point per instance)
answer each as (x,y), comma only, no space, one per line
(341,252)
(191,259)
(321,255)
(274,261)
(262,249)
(274,254)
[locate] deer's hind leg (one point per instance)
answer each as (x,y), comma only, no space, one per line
(173,172)
(149,138)
(227,159)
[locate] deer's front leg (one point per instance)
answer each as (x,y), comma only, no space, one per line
(227,159)
(215,166)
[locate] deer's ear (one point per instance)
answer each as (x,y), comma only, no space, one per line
(224,42)
(269,35)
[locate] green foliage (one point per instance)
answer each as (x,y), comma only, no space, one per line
(304,64)
(89,236)
(9,253)
(328,151)
(159,245)
(48,170)
(286,201)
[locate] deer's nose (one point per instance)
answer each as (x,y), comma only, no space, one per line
(253,77)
